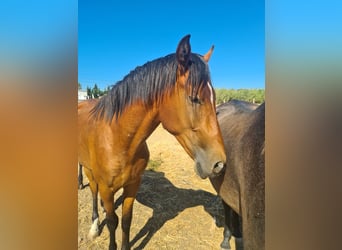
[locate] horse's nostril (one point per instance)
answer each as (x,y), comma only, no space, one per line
(218,167)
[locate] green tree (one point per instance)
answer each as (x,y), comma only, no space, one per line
(89,93)
(79,86)
(96,91)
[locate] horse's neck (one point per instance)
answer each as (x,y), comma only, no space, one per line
(135,125)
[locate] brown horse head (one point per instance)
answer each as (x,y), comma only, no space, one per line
(189,112)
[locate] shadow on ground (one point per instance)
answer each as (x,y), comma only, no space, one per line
(167,201)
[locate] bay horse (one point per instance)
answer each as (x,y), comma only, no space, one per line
(242,187)
(175,91)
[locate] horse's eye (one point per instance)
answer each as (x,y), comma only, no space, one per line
(195,99)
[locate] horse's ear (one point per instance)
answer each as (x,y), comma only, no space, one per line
(183,52)
(207,56)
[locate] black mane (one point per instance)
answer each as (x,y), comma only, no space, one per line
(148,83)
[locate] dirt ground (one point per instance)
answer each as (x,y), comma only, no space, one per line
(174,209)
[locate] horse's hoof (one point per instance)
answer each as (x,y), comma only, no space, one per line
(225,245)
(92,236)
(94,230)
(223,248)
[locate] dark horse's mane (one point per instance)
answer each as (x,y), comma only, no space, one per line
(148,83)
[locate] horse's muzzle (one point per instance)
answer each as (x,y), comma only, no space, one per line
(217,170)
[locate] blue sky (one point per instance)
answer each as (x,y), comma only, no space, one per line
(114,37)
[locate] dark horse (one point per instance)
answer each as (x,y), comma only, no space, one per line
(242,187)
(174,90)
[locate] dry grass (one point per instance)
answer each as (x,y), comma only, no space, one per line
(174,209)
(153,164)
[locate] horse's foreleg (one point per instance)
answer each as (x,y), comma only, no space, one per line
(103,209)
(225,245)
(236,224)
(107,197)
(236,228)
(226,232)
(129,195)
(232,227)
(94,230)
(80,177)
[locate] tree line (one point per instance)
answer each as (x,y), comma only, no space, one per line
(222,95)
(95,91)
(249,95)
